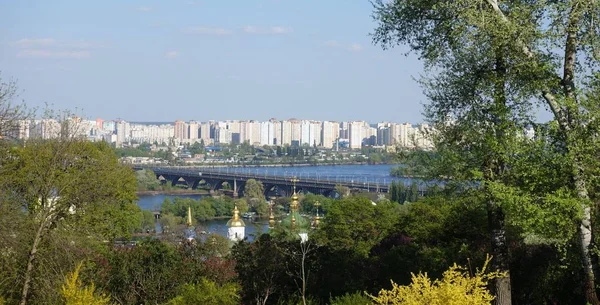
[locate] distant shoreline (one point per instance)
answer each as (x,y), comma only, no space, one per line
(172,192)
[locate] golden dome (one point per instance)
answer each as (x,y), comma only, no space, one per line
(236,221)
(271,218)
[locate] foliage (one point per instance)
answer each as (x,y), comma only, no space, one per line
(456,287)
(207,292)
(146,180)
(203,209)
(11,113)
(357,298)
(354,223)
(49,181)
(489,64)
(76,294)
(255,192)
(260,267)
(148,273)
(148,221)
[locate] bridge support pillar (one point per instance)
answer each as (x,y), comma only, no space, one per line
(235,189)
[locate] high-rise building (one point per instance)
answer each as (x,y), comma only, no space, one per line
(267,133)
(330,133)
(223,136)
(205,132)
(193,130)
(357,133)
(180,130)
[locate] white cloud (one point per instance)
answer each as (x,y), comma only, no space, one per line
(27,43)
(143,8)
(332,43)
(52,48)
(355,47)
(38,42)
(208,31)
(279,30)
(250,29)
(45,53)
(172,54)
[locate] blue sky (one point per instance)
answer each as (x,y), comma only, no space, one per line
(183,59)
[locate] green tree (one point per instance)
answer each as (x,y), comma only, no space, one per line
(354,223)
(148,221)
(260,268)
(254,191)
(393,192)
(11,113)
(50,180)
(351,299)
(241,204)
(148,273)
(474,50)
(207,292)
(146,180)
(76,294)
(510,55)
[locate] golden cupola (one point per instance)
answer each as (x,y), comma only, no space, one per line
(236,221)
(317,218)
(271,217)
(188,221)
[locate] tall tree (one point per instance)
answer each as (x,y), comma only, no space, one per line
(506,56)
(70,185)
(11,114)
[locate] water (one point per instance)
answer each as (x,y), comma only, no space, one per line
(154,202)
(357,173)
(378,174)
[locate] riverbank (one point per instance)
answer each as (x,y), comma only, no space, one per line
(220,165)
(172,192)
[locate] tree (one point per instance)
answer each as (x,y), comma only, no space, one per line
(207,292)
(255,192)
(12,114)
(50,181)
(456,287)
(500,58)
(76,294)
(259,266)
(394,192)
(354,223)
(351,299)
(148,273)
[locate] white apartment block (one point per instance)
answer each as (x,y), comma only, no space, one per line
(330,132)
(267,133)
(357,132)
(223,136)
(193,130)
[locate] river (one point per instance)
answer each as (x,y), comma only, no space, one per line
(362,173)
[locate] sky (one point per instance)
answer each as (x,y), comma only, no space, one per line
(207,60)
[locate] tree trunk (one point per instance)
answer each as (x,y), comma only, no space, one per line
(32,256)
(501,287)
(585,238)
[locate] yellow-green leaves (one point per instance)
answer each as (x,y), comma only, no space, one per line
(75,293)
(457,287)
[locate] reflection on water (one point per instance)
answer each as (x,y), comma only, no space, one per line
(366,173)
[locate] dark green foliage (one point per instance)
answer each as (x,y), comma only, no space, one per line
(354,223)
(203,209)
(145,274)
(261,270)
(357,298)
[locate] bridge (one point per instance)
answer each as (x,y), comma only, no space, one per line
(279,185)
